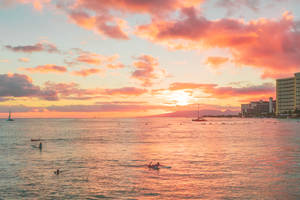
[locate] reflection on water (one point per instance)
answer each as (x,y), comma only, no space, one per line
(105,158)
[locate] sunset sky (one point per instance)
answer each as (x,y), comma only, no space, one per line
(127,58)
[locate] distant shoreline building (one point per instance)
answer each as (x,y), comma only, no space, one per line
(259,108)
(288,95)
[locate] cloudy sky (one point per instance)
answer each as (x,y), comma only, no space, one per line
(124,58)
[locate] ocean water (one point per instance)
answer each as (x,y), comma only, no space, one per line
(107,158)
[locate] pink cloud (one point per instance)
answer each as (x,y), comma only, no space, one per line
(49,68)
(215,91)
(73,91)
(93,59)
(104,25)
(270,45)
(97,15)
(18,85)
(87,72)
(39,47)
(265,90)
(153,7)
(147,70)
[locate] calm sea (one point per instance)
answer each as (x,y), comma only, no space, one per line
(106,159)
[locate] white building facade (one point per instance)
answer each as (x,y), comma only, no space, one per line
(288,95)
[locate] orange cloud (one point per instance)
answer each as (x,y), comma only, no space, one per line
(216,61)
(115,66)
(270,45)
(23,60)
(126,91)
(94,58)
(46,69)
(86,72)
(183,86)
(147,70)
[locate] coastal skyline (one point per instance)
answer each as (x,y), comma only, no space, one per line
(126,58)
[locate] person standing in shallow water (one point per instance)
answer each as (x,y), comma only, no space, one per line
(57,172)
(40,146)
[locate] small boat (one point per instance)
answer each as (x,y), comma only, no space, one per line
(199,119)
(9,117)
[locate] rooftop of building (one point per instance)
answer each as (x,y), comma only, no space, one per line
(285,79)
(261,101)
(289,78)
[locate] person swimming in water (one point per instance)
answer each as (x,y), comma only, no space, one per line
(154,166)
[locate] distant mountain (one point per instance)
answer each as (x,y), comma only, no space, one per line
(193,113)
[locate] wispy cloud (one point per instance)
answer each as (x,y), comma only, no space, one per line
(38,47)
(87,72)
(49,68)
(4,61)
(25,60)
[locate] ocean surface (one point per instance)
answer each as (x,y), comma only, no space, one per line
(106,159)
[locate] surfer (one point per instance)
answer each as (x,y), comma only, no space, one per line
(57,172)
(154,166)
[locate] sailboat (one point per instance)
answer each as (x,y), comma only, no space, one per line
(9,117)
(199,119)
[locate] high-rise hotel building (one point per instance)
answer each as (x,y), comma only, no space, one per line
(288,94)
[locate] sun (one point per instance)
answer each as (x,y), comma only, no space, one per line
(180,98)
